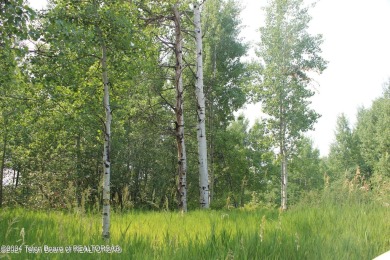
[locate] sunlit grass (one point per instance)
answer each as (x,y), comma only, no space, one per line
(329,232)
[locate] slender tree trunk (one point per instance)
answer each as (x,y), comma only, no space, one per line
(107,145)
(284,180)
(79,178)
(2,166)
(211,125)
(283,177)
(201,111)
(283,167)
(14,177)
(181,150)
(211,157)
(282,144)
(17,178)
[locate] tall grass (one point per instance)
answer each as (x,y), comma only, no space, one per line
(319,232)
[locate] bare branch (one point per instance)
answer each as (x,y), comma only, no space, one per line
(167,102)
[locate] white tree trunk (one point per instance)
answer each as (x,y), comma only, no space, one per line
(284,179)
(283,153)
(201,111)
(107,144)
(181,150)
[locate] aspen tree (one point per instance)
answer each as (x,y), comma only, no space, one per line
(179,128)
(288,52)
(201,111)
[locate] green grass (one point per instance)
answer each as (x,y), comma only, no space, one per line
(329,232)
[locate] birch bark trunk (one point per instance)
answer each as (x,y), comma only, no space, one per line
(107,146)
(283,163)
(201,112)
(282,144)
(284,181)
(283,128)
(181,150)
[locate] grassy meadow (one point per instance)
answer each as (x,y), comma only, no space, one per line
(317,232)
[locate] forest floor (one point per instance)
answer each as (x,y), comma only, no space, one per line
(320,232)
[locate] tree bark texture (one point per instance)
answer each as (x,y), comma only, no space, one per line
(201,113)
(282,144)
(284,180)
(181,150)
(107,146)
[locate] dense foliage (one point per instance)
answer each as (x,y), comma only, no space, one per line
(361,153)
(52,118)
